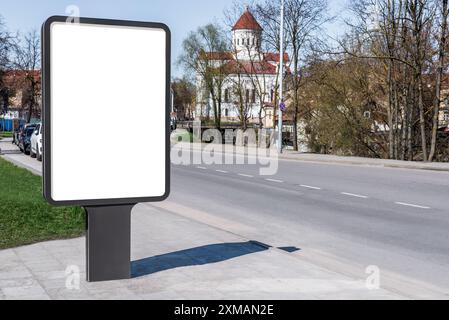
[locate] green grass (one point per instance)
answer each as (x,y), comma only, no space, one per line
(178,137)
(5,134)
(25,217)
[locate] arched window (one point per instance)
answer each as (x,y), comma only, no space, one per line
(238,42)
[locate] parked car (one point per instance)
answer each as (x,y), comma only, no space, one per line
(36,142)
(173,124)
(16,132)
(15,135)
(25,138)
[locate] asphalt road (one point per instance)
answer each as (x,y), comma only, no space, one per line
(344,218)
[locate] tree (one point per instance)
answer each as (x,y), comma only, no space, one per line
(184,97)
(6,44)
(27,61)
(397,34)
(199,57)
(303,21)
(268,14)
(444,12)
(339,96)
(420,17)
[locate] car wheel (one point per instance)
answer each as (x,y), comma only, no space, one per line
(32,154)
(38,154)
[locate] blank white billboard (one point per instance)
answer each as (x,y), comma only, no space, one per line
(105,112)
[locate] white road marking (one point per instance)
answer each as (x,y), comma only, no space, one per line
(221,171)
(274,180)
(354,195)
(201,168)
(245,175)
(309,187)
(411,205)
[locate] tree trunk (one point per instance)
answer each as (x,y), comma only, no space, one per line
(439,75)
(410,125)
(31,101)
(422,121)
(295,129)
(390,111)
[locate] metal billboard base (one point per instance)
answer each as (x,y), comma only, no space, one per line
(108,243)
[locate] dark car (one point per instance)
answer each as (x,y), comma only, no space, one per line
(25,138)
(17,131)
(173,124)
(16,135)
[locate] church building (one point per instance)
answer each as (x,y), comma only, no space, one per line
(250,77)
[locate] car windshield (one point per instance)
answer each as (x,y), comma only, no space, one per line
(30,131)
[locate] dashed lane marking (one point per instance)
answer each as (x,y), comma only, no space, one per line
(354,195)
(412,205)
(274,180)
(310,187)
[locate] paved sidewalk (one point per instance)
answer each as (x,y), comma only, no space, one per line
(435,166)
(177,258)
(12,153)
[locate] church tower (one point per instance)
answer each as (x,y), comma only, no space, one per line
(246,37)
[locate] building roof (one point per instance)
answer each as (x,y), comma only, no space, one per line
(22,73)
(269,56)
(219,56)
(275,57)
(247,22)
(13,77)
(246,67)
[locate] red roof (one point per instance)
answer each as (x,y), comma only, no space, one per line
(246,67)
(219,56)
(22,73)
(14,76)
(247,22)
(275,57)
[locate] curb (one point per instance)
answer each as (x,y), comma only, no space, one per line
(381,165)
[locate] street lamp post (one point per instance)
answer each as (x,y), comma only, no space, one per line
(281,74)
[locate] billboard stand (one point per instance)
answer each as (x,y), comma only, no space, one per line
(89,68)
(108,243)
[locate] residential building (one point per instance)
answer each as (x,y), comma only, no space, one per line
(15,93)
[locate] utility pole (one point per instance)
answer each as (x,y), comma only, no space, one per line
(281,74)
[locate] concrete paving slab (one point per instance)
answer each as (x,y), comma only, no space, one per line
(28,290)
(198,262)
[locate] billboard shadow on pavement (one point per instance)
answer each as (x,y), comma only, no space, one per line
(208,254)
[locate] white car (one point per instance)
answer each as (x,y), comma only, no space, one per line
(36,143)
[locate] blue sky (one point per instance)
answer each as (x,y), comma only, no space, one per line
(182,16)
